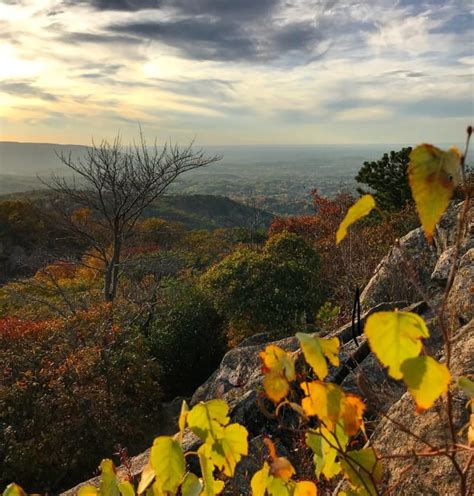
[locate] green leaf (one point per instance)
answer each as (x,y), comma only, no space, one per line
(228,451)
(14,490)
(108,482)
(126,489)
(394,337)
(279,487)
(467,386)
(426,380)
(191,486)
(211,486)
(317,350)
(167,460)
(433,174)
(207,420)
(324,454)
(363,468)
(362,207)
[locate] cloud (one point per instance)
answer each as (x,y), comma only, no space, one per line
(117,5)
(362,114)
(26,89)
(225,39)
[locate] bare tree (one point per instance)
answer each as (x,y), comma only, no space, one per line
(116,184)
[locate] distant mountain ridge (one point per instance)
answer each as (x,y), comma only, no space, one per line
(31,159)
(194,211)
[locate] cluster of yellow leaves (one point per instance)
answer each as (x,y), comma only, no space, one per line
(340,417)
(395,338)
(279,370)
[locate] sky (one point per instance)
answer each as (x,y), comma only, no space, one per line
(236,71)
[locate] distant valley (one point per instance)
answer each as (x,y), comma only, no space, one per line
(278,179)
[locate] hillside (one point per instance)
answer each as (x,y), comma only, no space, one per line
(194,211)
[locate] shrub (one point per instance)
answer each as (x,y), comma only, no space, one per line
(69,391)
(269,290)
(186,337)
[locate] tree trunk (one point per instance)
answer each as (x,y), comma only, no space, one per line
(108,281)
(115,268)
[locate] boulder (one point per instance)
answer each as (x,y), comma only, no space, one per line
(460,306)
(390,281)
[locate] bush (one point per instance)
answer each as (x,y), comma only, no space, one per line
(186,337)
(69,392)
(269,290)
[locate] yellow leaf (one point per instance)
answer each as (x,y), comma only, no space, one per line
(317,350)
(276,386)
(182,419)
(394,337)
(433,174)
(15,490)
(88,490)
(352,413)
(148,474)
(228,451)
(167,460)
(470,431)
(426,380)
(207,420)
(362,207)
(363,469)
(260,480)
(279,370)
(305,488)
(211,486)
(326,401)
(282,468)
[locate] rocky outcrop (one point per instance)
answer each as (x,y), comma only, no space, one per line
(238,378)
(428,475)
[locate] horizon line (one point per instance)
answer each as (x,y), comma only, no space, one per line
(227,144)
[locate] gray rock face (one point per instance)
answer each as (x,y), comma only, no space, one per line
(391,280)
(461,299)
(443,266)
